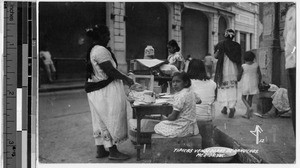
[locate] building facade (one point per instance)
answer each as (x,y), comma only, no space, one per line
(270,52)
(196,26)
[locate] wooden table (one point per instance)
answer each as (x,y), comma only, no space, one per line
(140,111)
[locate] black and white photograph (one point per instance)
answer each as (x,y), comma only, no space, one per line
(173,82)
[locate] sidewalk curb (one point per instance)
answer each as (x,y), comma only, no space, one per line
(224,140)
(61,88)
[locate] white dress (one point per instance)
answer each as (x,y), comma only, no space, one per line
(108,105)
(205,90)
(227,92)
(250,79)
(185,124)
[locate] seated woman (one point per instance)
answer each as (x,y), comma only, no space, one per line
(281,106)
(205,89)
(182,121)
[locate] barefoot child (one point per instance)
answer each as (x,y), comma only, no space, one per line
(250,77)
(182,121)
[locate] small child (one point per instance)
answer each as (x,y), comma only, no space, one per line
(182,121)
(251,77)
(48,63)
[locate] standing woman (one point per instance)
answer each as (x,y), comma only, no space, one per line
(106,96)
(175,57)
(228,53)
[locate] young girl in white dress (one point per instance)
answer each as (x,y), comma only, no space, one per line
(250,78)
(205,89)
(182,121)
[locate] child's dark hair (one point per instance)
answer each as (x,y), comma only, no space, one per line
(174,44)
(249,56)
(185,78)
(196,70)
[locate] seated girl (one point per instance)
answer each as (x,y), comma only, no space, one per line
(205,88)
(182,121)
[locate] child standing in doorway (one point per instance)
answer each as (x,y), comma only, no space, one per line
(250,77)
(182,121)
(48,63)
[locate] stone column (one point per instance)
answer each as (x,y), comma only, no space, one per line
(238,36)
(176,24)
(248,41)
(215,28)
(269,52)
(118,37)
(211,32)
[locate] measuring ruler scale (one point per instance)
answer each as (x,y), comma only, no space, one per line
(20,76)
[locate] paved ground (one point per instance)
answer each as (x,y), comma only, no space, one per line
(65,132)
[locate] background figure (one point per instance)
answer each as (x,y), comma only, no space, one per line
(205,89)
(106,95)
(280,104)
(149,52)
(186,63)
(175,57)
(289,35)
(251,78)
(228,53)
(45,56)
(209,64)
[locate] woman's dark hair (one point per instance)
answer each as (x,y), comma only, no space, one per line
(99,35)
(185,78)
(249,56)
(229,34)
(196,70)
(174,44)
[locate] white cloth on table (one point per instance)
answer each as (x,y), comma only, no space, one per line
(227,92)
(168,69)
(205,90)
(108,105)
(250,79)
(185,124)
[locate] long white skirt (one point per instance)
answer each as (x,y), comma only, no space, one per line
(227,92)
(109,116)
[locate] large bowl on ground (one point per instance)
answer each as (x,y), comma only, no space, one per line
(219,154)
